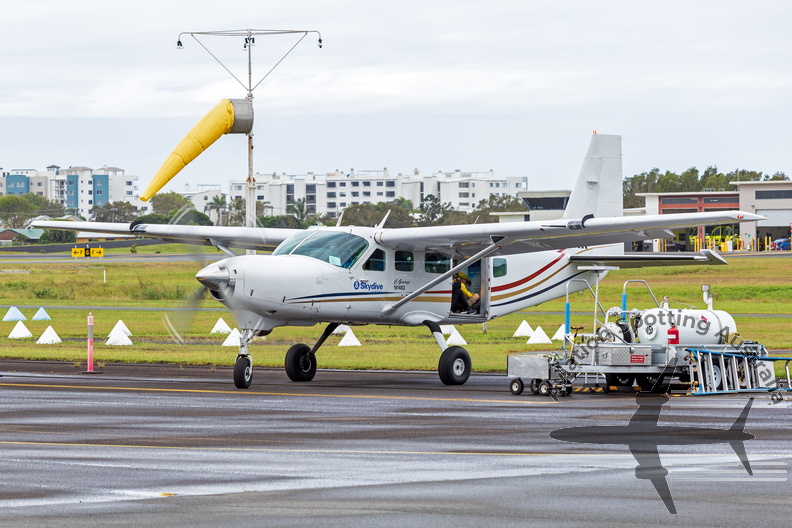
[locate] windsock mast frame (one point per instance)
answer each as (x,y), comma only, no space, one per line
(250,39)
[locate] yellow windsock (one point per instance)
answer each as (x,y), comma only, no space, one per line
(230,116)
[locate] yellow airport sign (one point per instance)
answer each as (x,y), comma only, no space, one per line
(87,252)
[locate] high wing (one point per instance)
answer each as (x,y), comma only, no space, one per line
(526,237)
(465,240)
(239,237)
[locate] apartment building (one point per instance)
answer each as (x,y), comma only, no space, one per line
(77,188)
(330,193)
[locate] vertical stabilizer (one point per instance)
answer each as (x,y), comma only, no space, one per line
(598,190)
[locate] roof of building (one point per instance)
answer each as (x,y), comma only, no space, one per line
(766,182)
(31,233)
(687,193)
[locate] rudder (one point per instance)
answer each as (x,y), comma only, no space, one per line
(598,189)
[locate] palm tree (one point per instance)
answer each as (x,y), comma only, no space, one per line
(218,204)
(298,209)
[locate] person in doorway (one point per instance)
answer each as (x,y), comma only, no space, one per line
(462,300)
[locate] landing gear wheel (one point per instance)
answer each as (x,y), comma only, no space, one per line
(454,366)
(620,380)
(516,387)
(300,364)
(535,385)
(544,388)
(243,372)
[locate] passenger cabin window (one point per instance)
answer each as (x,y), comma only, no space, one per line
(376,262)
(404,260)
(338,249)
(498,267)
(436,263)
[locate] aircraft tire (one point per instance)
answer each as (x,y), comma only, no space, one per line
(516,387)
(243,372)
(300,365)
(454,366)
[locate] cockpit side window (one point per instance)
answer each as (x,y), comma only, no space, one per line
(338,249)
(376,262)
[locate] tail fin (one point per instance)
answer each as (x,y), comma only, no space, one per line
(598,190)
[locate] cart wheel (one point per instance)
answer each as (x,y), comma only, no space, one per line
(535,386)
(619,380)
(544,388)
(516,387)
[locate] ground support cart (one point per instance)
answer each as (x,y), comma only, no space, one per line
(714,369)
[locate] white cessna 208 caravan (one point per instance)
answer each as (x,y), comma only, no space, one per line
(375,275)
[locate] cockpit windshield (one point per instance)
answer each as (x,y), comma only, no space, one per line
(338,249)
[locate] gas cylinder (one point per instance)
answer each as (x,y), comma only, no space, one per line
(695,327)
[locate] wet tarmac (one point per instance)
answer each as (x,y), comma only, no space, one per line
(165,446)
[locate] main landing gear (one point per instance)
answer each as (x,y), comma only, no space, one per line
(454,366)
(300,359)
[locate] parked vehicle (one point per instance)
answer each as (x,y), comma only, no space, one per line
(781,244)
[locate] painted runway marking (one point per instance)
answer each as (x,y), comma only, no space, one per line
(258,393)
(348,451)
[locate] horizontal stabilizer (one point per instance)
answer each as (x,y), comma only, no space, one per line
(645,260)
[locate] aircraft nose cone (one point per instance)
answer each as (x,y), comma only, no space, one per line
(214,276)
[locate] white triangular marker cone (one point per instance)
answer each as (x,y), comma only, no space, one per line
(42,315)
(121,327)
(342,329)
(524,330)
(49,337)
(456,338)
(221,327)
(232,339)
(118,337)
(349,339)
(447,329)
(559,335)
(538,337)
(13,314)
(20,331)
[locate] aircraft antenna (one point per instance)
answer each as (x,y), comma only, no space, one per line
(249,36)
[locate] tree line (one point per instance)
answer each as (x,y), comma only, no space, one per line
(690,180)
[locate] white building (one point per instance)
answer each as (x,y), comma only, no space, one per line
(202,197)
(330,193)
(77,188)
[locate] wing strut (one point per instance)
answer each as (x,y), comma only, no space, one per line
(221,247)
(389,309)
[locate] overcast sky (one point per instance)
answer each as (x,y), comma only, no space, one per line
(515,86)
